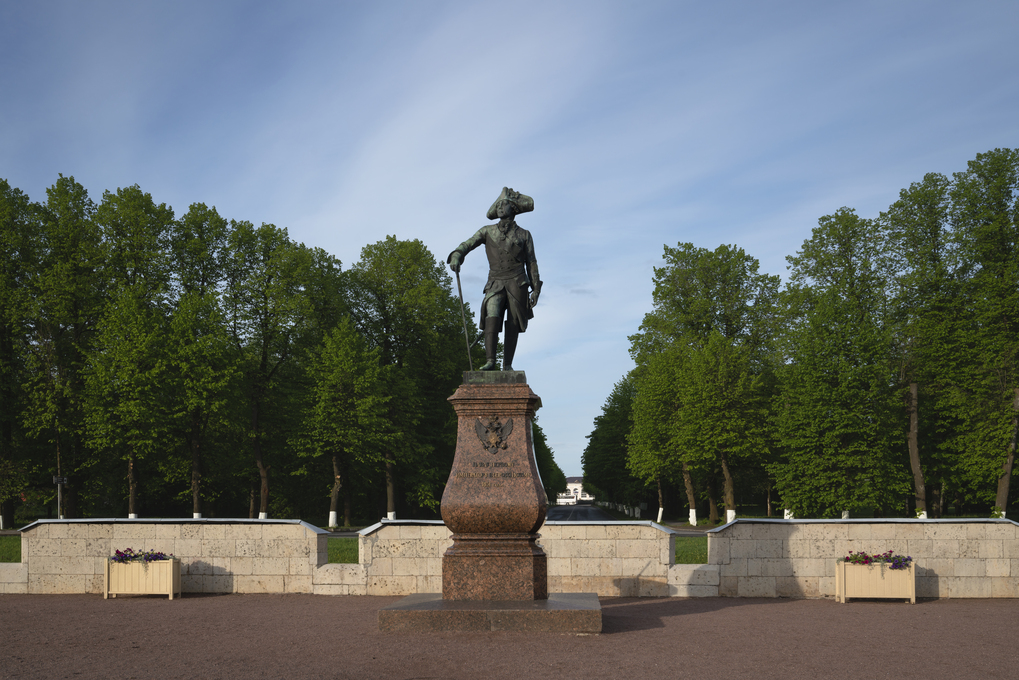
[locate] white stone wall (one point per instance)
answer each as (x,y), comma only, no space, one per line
(796,558)
(624,559)
(234,556)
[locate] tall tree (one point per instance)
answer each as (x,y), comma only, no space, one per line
(124,404)
(67,295)
(401,301)
(604,458)
(836,413)
(266,308)
(700,294)
(18,230)
(926,312)
(348,422)
(203,368)
(985,212)
(552,477)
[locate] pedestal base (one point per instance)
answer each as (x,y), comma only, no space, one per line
(428,612)
(495,567)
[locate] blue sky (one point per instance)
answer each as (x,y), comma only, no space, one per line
(632,124)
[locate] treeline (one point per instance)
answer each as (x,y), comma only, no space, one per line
(169,366)
(883,377)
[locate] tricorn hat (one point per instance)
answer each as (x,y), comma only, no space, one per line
(523,203)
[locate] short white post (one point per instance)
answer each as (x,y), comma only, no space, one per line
(390,515)
(730,516)
(263,515)
(196,515)
(131,515)
(693,517)
(661,511)
(332,519)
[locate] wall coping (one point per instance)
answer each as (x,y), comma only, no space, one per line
(182,520)
(867,520)
(367,531)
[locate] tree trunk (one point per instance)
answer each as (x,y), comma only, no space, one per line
(1001,500)
(730,487)
(390,490)
(196,467)
(252,495)
(661,500)
(346,506)
(914,449)
(132,486)
(691,494)
(263,470)
(334,496)
(712,504)
(768,502)
(937,503)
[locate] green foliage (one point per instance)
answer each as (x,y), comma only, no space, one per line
(605,457)
(552,476)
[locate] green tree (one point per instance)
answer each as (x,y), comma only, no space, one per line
(927,311)
(986,216)
(700,294)
(401,301)
(18,229)
(837,418)
(605,456)
(552,477)
(266,309)
(204,371)
(348,422)
(68,297)
(124,380)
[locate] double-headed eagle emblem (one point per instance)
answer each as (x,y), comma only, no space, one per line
(493,433)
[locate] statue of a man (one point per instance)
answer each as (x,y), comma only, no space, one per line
(513,270)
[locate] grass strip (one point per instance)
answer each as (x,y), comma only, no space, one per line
(10,548)
(691,549)
(343,550)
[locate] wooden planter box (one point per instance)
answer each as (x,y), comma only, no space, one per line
(874,581)
(161,577)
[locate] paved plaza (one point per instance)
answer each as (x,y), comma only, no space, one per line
(308,636)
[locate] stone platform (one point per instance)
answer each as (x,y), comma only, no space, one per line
(428,612)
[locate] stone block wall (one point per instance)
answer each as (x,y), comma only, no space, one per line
(217,556)
(634,559)
(796,558)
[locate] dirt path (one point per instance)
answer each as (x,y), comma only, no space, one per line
(306,636)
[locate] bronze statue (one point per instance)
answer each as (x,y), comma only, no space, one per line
(513,270)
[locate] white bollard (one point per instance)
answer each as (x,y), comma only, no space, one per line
(661,511)
(196,515)
(390,515)
(693,517)
(332,519)
(130,515)
(263,515)
(730,516)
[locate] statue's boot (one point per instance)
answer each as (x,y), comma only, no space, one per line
(492,328)
(509,345)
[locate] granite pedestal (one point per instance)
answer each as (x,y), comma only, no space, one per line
(495,575)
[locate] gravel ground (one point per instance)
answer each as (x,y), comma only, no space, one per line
(308,636)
